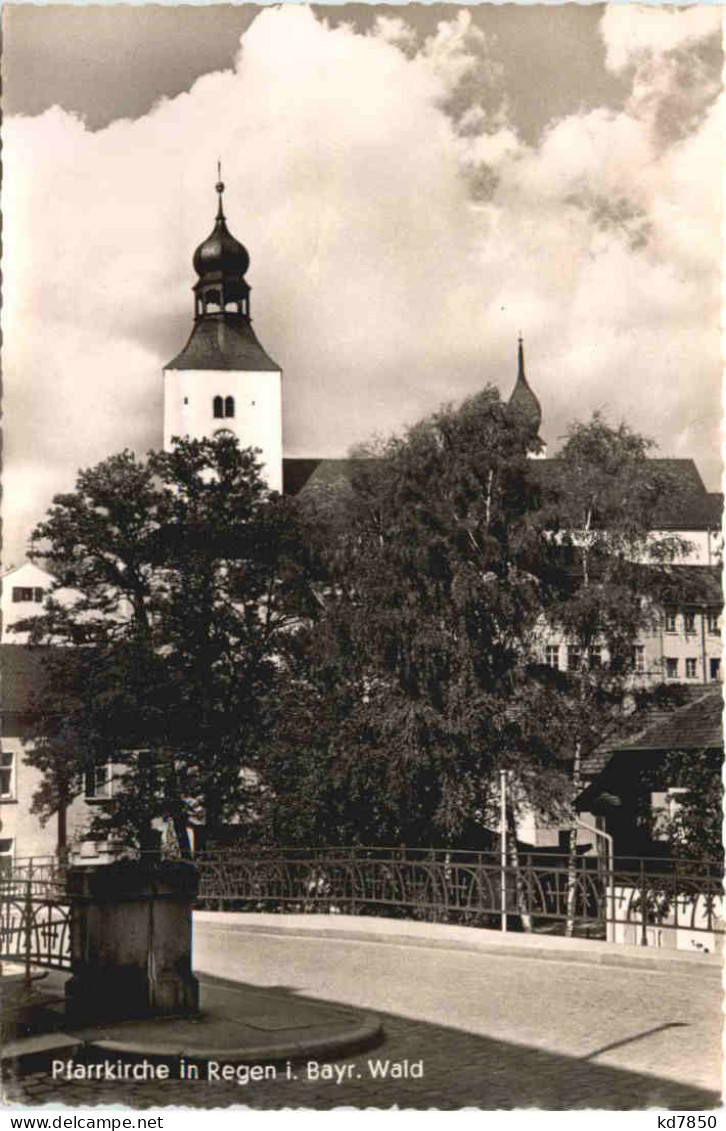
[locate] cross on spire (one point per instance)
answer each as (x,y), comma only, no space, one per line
(220,189)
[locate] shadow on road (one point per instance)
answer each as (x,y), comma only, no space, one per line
(635,1037)
(460,1069)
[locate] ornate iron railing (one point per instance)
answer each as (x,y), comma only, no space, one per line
(628,900)
(35,915)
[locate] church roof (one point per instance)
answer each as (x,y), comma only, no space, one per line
(692,512)
(688,475)
(306,473)
(224,342)
(690,507)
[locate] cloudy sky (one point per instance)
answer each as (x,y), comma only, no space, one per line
(414,187)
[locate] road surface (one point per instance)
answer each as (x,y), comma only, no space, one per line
(461,1029)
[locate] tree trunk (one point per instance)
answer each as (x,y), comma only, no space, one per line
(572,846)
(149,837)
(212,816)
(181,832)
(62,815)
(577,764)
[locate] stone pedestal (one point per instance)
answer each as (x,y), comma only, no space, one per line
(14,996)
(131,941)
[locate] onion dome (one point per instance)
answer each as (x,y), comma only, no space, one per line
(522,399)
(221,253)
(222,337)
(221,291)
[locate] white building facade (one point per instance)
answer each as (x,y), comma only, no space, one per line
(24,589)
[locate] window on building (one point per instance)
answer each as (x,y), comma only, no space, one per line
(39,594)
(229,406)
(670,620)
(574,657)
(595,658)
(7,774)
(218,408)
(7,852)
(691,665)
(22,593)
(689,621)
(671,667)
(552,655)
(98,781)
(714,667)
(713,625)
(639,658)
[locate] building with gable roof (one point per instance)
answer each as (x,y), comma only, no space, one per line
(629,787)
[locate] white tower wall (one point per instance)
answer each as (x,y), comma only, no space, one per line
(257,422)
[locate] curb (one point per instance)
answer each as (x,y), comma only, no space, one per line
(700,964)
(34,1054)
(357,1030)
(364,1035)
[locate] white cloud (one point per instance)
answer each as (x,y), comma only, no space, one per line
(399,240)
(674,80)
(633,33)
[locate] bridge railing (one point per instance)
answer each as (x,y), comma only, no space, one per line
(34,915)
(645,901)
(634,897)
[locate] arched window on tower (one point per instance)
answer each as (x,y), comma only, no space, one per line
(218,407)
(212,301)
(229,406)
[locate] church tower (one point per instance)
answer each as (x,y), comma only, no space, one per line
(524,401)
(223,381)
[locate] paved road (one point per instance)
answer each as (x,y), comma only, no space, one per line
(663,1023)
(490,1031)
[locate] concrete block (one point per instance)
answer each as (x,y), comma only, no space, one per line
(131,941)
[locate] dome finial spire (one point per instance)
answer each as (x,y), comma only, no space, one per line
(522,398)
(220,189)
(221,263)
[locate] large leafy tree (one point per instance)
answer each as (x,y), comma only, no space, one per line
(182,578)
(406,698)
(451,556)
